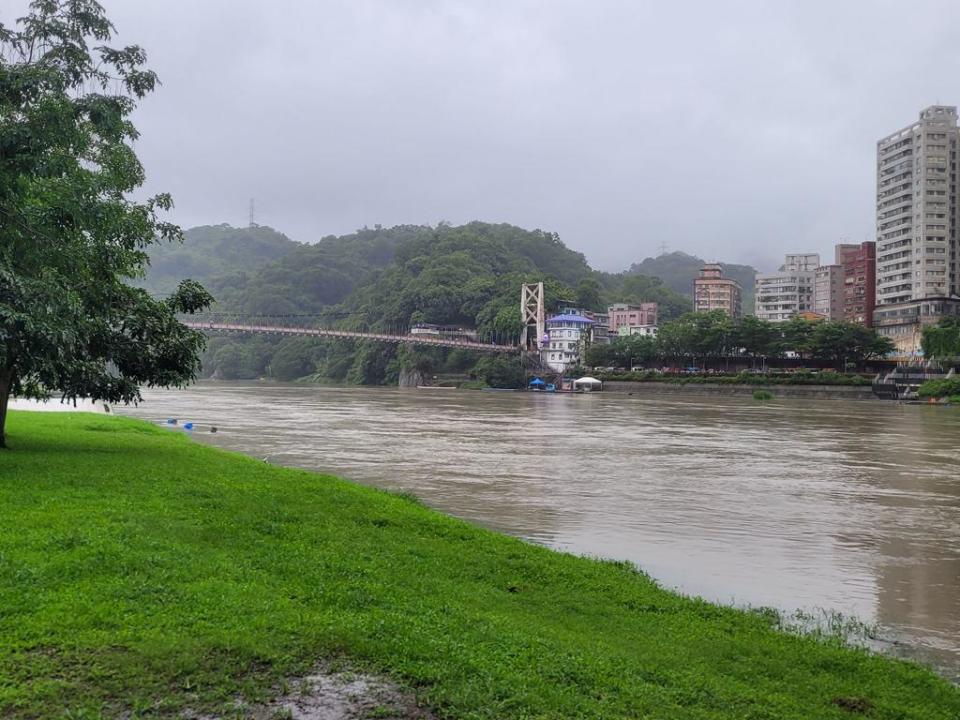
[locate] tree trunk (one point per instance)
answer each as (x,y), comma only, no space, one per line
(6,378)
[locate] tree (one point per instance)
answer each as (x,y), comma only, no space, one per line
(235,362)
(942,341)
(600,355)
(635,350)
(796,335)
(370,363)
(847,342)
(754,336)
(499,371)
(678,338)
(625,352)
(294,358)
(70,236)
(588,294)
(697,335)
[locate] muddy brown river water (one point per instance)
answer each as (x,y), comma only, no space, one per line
(849,507)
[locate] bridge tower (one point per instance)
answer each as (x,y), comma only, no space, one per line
(533,314)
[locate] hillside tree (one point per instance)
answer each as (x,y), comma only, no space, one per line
(71,236)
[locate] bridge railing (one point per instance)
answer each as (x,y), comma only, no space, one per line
(314,325)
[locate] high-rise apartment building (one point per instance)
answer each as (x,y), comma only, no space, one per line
(859,263)
(788,292)
(917,238)
(712,291)
(917,203)
(828,292)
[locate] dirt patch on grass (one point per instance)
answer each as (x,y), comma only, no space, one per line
(326,695)
(853,704)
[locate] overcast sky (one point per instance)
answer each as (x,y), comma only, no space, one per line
(731,130)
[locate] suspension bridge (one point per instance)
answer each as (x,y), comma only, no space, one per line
(531,312)
(259,325)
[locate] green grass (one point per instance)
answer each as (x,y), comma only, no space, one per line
(762,395)
(141,572)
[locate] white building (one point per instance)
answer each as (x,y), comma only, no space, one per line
(789,291)
(568,334)
(918,243)
(917,206)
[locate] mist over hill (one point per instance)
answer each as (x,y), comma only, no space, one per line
(209,251)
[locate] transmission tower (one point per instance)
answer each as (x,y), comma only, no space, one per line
(663,248)
(253,217)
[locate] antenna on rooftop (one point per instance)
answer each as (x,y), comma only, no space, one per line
(253,220)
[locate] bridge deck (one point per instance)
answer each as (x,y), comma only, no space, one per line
(350,334)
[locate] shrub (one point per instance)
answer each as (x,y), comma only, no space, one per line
(762,395)
(940,388)
(802,377)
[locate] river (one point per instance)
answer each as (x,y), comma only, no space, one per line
(851,507)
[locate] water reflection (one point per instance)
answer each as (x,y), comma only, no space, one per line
(853,507)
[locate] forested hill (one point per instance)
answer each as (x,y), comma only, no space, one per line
(468,275)
(678,270)
(312,277)
(209,251)
(380,278)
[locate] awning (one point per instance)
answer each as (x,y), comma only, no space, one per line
(587,381)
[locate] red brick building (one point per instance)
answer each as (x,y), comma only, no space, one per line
(859,264)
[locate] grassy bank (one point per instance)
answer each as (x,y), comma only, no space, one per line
(743,378)
(140,571)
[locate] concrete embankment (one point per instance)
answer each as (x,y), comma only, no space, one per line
(824,392)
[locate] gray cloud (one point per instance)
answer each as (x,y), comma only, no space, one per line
(733,130)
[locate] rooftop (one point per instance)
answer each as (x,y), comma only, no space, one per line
(570,318)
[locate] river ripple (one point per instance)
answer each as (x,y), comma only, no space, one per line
(851,507)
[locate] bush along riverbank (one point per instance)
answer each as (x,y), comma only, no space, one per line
(947,389)
(145,575)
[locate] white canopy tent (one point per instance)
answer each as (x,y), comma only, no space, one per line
(587,383)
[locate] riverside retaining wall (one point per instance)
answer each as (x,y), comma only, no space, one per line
(826,392)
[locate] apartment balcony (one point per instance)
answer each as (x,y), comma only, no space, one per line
(893,255)
(896,223)
(897,242)
(893,277)
(895,235)
(904,153)
(902,207)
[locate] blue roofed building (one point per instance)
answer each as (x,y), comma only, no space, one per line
(569,333)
